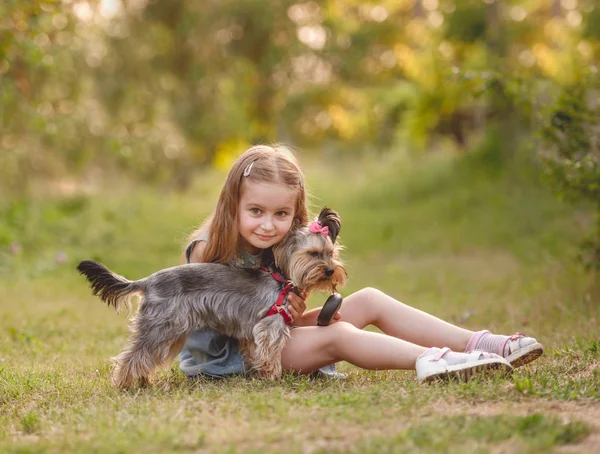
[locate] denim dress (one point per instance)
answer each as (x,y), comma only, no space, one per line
(213,354)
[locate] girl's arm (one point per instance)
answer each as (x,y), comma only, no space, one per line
(309,318)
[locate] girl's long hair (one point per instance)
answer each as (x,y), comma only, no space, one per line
(271,164)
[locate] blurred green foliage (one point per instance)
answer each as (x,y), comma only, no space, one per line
(571,152)
(153,89)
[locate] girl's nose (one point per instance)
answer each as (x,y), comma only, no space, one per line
(267,225)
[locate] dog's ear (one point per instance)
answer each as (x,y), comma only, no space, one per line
(283,250)
(332,220)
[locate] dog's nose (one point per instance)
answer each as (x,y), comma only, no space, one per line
(328,272)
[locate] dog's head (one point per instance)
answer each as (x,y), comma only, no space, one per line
(309,255)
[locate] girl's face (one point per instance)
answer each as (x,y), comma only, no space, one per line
(265,214)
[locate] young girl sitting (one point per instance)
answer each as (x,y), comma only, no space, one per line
(263,198)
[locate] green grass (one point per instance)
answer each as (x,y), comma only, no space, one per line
(477,243)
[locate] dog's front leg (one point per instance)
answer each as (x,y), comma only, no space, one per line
(270,336)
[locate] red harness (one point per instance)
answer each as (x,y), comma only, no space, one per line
(278,308)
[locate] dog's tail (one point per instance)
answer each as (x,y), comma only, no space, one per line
(113,289)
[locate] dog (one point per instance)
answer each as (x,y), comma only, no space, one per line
(249,305)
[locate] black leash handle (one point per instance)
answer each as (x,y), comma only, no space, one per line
(330,308)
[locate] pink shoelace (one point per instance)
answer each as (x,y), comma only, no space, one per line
(516,336)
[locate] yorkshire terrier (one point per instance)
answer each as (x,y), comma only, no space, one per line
(249,305)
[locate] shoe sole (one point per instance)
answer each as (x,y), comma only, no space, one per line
(525,355)
(467,373)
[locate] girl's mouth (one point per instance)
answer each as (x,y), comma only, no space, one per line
(264,237)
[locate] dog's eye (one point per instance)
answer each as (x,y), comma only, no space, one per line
(314,253)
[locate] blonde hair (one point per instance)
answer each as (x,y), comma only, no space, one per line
(267,164)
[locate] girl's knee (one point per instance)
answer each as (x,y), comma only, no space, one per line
(368,306)
(366,295)
(341,327)
(339,334)
(315,346)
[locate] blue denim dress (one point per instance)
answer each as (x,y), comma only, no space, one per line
(215,355)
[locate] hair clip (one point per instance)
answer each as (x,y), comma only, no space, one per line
(248,169)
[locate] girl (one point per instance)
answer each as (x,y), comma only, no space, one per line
(262,199)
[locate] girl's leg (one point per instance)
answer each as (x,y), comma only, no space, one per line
(373,307)
(312,347)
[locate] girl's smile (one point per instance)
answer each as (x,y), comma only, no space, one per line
(266,213)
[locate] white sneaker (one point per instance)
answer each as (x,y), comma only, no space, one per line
(443,364)
(520,350)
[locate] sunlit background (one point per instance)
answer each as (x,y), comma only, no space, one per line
(154,87)
(154,91)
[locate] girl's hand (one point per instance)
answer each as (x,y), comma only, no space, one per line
(296,306)
(336,317)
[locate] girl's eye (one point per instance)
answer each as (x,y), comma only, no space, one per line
(281,214)
(314,253)
(254,211)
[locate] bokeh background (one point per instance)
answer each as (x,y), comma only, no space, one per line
(153,92)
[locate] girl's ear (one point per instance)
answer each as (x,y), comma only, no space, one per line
(332,220)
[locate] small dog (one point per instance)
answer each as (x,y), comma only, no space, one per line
(249,305)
